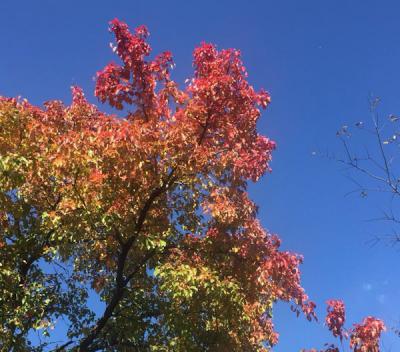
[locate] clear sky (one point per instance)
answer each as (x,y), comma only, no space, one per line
(319,59)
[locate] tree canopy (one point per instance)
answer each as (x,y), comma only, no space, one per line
(147,208)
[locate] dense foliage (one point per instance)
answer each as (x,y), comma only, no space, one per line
(148,210)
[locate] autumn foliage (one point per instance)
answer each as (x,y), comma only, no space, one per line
(364,337)
(335,318)
(149,208)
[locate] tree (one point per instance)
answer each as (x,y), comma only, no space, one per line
(148,210)
(370,153)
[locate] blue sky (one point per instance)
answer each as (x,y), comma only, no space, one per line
(319,59)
